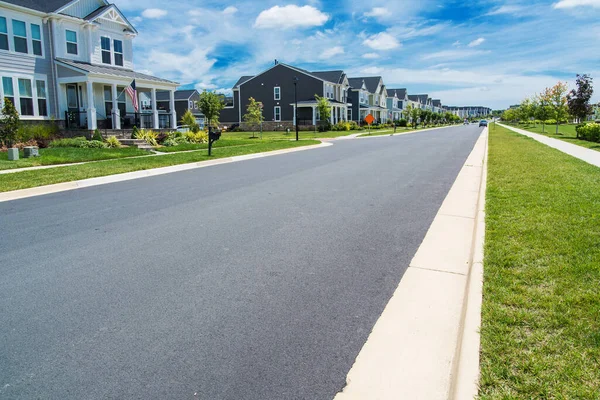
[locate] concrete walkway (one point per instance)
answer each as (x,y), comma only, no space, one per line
(588,155)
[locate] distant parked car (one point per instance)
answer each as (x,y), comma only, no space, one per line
(483,122)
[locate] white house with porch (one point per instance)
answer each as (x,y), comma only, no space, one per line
(71,60)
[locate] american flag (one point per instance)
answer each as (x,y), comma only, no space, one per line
(132,93)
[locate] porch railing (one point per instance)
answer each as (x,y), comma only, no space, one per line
(76,119)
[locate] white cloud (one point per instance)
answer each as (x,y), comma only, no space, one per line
(382,41)
(370,56)
(230,10)
(577,3)
(136,20)
(333,51)
(453,54)
(476,42)
(457,43)
(506,9)
(377,12)
(291,16)
(154,13)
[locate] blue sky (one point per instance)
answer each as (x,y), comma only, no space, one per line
(477,52)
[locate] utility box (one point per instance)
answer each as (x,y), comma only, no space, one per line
(13,154)
(31,151)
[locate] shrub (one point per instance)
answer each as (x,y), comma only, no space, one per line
(324,126)
(341,126)
(112,142)
(93,144)
(29,132)
(190,120)
(147,135)
(550,122)
(353,125)
(589,132)
(134,132)
(97,135)
(170,142)
(70,142)
(403,123)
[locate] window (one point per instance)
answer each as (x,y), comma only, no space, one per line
(277,113)
(3,34)
(40,87)
(349,114)
(118,52)
(20,36)
(9,91)
(25,97)
(71,42)
(36,39)
(105,44)
(277,93)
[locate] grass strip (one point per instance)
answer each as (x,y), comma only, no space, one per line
(540,334)
(29,179)
(566,133)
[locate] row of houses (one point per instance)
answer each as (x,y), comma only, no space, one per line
(72,61)
(282,86)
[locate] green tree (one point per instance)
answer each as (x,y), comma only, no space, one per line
(211,105)
(10,123)
(254,114)
(189,120)
(407,112)
(324,108)
(543,109)
(415,113)
(558,102)
(579,99)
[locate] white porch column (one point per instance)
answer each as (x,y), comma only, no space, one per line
(116,114)
(155,124)
(91,110)
(331,116)
(172,108)
(314,115)
(294,114)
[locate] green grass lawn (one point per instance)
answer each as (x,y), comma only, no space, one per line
(68,155)
(28,179)
(217,144)
(540,334)
(565,132)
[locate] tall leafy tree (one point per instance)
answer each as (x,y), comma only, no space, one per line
(211,105)
(415,113)
(579,99)
(254,115)
(558,102)
(9,123)
(324,108)
(543,110)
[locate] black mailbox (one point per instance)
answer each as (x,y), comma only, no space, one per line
(214,135)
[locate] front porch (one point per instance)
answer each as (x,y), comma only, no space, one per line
(308,113)
(93,97)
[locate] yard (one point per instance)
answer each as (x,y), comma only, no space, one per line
(540,334)
(566,132)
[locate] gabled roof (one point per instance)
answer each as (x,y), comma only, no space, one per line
(242,80)
(46,6)
(112,71)
(330,76)
(401,93)
(245,79)
(114,14)
(413,97)
(371,82)
(421,98)
(180,95)
(437,103)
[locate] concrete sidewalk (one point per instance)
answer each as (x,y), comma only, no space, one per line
(425,345)
(588,155)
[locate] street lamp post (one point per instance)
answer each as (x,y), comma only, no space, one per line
(296,104)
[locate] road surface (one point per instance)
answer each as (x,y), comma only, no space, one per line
(252,280)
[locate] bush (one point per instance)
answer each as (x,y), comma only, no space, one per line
(354,125)
(170,142)
(324,126)
(112,142)
(200,137)
(341,126)
(134,132)
(70,142)
(97,135)
(147,135)
(403,123)
(589,132)
(93,144)
(40,132)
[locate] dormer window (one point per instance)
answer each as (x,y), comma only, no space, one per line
(105,44)
(71,42)
(118,52)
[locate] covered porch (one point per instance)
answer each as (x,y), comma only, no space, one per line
(94,97)
(308,113)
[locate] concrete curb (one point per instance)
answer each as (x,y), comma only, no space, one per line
(425,343)
(61,187)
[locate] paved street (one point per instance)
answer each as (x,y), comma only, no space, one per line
(253,280)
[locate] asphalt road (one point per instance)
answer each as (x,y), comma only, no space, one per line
(252,280)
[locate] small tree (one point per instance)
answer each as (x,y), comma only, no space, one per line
(211,105)
(254,114)
(415,113)
(579,99)
(558,102)
(324,108)
(543,110)
(407,112)
(10,123)
(190,120)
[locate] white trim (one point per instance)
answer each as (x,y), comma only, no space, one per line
(67,42)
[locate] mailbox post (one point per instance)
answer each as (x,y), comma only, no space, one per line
(213,136)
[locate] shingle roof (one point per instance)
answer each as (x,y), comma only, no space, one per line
(113,71)
(179,95)
(243,79)
(421,98)
(371,82)
(401,93)
(437,103)
(46,6)
(413,97)
(330,76)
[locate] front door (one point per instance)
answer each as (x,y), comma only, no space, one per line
(75,117)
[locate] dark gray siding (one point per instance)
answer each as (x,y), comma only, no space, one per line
(231,115)
(354,99)
(261,88)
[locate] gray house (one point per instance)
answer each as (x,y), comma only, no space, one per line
(274,88)
(71,60)
(368,95)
